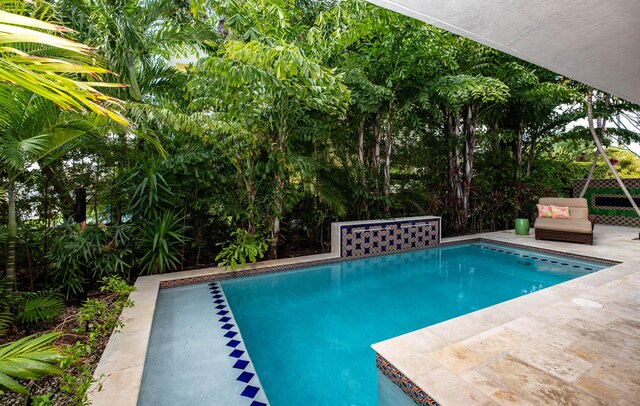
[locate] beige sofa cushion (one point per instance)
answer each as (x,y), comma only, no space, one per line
(578,208)
(579,213)
(564,201)
(570,225)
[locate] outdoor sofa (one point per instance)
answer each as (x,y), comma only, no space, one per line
(578,228)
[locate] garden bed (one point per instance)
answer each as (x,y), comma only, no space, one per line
(82,342)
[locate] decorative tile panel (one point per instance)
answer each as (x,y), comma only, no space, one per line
(607,201)
(386,237)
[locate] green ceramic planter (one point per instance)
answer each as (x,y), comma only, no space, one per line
(522,226)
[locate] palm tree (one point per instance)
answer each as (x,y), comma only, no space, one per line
(32,129)
(41,73)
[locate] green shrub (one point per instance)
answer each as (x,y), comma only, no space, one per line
(100,318)
(96,252)
(161,242)
(242,247)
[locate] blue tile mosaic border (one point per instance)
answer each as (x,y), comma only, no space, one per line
(490,247)
(229,330)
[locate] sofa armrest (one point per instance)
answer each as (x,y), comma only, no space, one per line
(592,219)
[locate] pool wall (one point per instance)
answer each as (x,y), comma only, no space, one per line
(328,259)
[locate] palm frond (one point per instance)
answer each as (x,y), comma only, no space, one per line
(53,78)
(28,358)
(39,307)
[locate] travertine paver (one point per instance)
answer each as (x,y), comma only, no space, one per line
(541,348)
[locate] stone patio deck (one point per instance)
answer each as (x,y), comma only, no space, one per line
(541,348)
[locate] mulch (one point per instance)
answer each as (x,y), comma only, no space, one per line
(68,326)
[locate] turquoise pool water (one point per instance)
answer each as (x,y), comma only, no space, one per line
(309,331)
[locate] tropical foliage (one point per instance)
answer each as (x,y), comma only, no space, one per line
(227,132)
(28,358)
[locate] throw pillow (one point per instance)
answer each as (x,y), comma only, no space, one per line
(544,210)
(559,212)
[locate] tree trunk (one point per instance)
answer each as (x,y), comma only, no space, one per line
(377,128)
(280,155)
(455,180)
(591,171)
(11,240)
(532,154)
(362,169)
(363,179)
(603,152)
(275,222)
(251,196)
(518,150)
(58,184)
(469,157)
(387,162)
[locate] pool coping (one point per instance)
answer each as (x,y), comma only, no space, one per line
(441,364)
(123,360)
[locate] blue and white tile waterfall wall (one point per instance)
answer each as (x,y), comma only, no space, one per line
(388,236)
(249,387)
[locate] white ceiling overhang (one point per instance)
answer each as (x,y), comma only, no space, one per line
(596,42)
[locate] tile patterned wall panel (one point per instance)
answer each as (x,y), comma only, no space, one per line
(603,190)
(363,240)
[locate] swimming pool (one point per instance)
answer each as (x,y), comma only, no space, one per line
(309,331)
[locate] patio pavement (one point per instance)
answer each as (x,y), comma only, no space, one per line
(541,348)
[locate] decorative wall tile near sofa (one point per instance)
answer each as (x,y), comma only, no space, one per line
(363,240)
(607,201)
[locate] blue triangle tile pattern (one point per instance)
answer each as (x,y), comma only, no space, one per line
(250,391)
(241,364)
(245,377)
(242,361)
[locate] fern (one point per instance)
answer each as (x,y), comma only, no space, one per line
(36,307)
(5,321)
